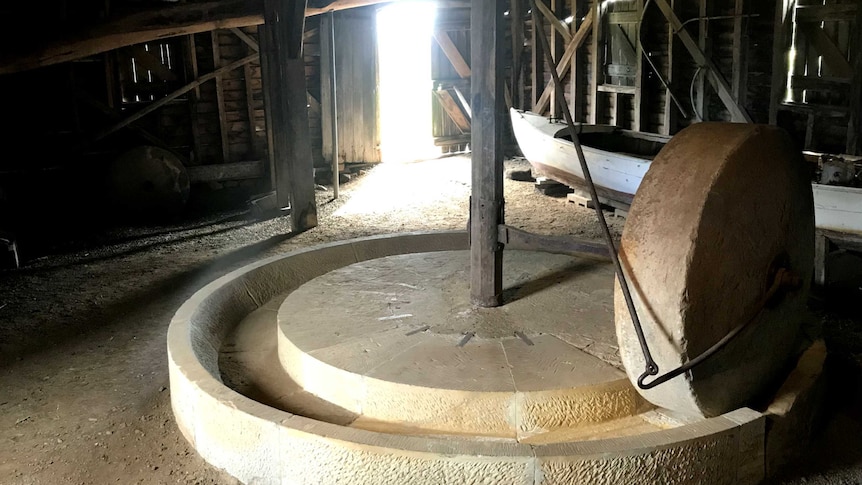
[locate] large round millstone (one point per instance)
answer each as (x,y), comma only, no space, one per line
(148,180)
(720,209)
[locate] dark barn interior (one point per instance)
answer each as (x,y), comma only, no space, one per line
(154,146)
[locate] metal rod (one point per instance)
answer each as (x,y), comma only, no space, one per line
(333,111)
(782,279)
(651,368)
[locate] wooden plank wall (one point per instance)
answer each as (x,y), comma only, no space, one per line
(356,64)
(657,112)
(821,79)
(242,99)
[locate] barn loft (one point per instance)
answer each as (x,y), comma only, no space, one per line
(658,282)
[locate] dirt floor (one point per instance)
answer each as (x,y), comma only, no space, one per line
(84,395)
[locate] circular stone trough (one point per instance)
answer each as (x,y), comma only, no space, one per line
(441,396)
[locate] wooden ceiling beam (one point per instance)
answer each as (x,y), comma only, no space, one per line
(135,29)
(154,25)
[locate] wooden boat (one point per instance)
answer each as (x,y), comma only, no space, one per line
(838,208)
(618,160)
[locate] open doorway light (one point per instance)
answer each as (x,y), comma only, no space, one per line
(404,31)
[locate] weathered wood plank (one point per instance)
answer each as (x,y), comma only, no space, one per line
(250,42)
(453,110)
(833,58)
(555,22)
(637,99)
(220,98)
(558,43)
(537,72)
(780,56)
(668,121)
(226,171)
(824,13)
(854,124)
(147,26)
(576,84)
(516,14)
(486,206)
(701,96)
(596,77)
(192,71)
(464,103)
(740,47)
(333,108)
(452,53)
(249,91)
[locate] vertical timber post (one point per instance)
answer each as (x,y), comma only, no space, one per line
(516,17)
(781,41)
(333,105)
(284,86)
(537,68)
(486,204)
(854,124)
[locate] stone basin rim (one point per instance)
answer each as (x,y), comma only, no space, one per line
(199,397)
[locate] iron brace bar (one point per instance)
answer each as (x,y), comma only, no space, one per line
(651,368)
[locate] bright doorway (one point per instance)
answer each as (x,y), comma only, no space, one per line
(404,34)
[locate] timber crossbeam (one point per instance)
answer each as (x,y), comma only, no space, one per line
(513,238)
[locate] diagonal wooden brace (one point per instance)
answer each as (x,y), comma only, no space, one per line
(563,67)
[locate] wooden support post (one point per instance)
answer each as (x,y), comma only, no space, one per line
(251,48)
(701,97)
(737,113)
(516,17)
(669,115)
(222,116)
(333,106)
(284,85)
(739,81)
(854,124)
(780,55)
(597,77)
(576,83)
(537,63)
(486,204)
(637,100)
(557,27)
(194,97)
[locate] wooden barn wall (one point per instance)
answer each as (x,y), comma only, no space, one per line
(311,54)
(356,74)
(822,105)
(609,99)
(231,121)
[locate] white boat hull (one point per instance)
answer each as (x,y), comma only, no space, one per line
(618,176)
(837,208)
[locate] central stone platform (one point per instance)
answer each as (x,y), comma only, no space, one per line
(396,342)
